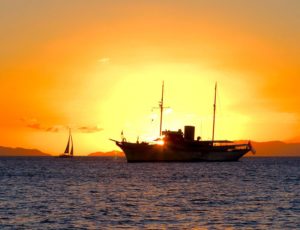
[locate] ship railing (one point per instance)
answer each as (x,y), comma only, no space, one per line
(229,145)
(241,146)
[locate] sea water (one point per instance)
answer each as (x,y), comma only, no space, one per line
(108,193)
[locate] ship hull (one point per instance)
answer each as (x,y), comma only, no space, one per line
(157,153)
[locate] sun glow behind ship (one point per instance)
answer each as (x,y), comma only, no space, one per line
(160,142)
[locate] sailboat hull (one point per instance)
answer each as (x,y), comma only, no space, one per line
(156,153)
(65,156)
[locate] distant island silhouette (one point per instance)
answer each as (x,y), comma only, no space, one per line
(107,154)
(275,149)
(263,149)
(21,152)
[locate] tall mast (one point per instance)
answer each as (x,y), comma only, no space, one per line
(161,106)
(214,118)
(72,146)
(68,144)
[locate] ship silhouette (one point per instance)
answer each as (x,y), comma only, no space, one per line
(178,146)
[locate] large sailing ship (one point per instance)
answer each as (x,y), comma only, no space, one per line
(68,153)
(178,146)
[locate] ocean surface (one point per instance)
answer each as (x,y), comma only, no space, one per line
(108,193)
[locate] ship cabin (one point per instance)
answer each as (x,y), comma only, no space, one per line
(180,137)
(187,138)
(173,136)
(177,136)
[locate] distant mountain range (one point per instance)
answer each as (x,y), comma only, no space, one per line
(263,149)
(21,152)
(107,154)
(275,149)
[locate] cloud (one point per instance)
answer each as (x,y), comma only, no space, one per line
(33,123)
(104,60)
(89,129)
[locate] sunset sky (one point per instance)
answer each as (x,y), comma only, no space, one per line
(97,67)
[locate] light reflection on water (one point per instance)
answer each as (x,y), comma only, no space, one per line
(105,193)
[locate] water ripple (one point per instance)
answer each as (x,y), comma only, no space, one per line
(105,193)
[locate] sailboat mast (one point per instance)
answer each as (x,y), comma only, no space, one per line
(68,144)
(214,117)
(72,146)
(161,106)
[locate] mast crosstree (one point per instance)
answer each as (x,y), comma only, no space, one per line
(161,108)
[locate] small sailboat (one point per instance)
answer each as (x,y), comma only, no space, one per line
(69,148)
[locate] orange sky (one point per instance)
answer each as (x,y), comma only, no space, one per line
(97,67)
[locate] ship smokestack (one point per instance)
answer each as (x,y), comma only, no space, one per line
(189,132)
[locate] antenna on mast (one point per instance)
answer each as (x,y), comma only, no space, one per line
(214,117)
